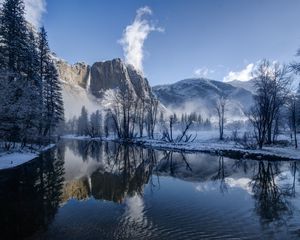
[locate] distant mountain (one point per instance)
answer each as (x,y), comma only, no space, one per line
(248,85)
(200,95)
(93,86)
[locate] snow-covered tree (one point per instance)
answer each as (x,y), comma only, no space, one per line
(52,104)
(14,40)
(83,122)
(20,84)
(52,100)
(95,124)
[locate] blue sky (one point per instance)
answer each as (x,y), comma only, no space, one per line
(208,38)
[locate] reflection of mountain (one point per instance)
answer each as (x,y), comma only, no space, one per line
(78,189)
(261,179)
(196,167)
(30,195)
(118,173)
(123,171)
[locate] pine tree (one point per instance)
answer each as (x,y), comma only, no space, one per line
(20,88)
(13,41)
(52,106)
(53,102)
(83,123)
(95,124)
(44,52)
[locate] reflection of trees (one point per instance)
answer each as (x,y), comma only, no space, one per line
(271,198)
(124,172)
(244,165)
(130,171)
(171,163)
(294,168)
(86,149)
(221,175)
(30,195)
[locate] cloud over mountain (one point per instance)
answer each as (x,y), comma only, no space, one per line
(135,35)
(34,10)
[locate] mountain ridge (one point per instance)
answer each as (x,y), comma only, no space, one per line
(200,95)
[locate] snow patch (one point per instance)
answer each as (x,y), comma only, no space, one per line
(14,159)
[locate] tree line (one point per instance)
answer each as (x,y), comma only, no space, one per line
(275,103)
(128,117)
(31,105)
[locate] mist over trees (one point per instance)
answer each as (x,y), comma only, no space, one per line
(31,103)
(127,118)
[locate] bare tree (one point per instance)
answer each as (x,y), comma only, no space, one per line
(272,83)
(141,115)
(151,120)
(292,106)
(220,106)
(259,121)
(167,134)
(121,113)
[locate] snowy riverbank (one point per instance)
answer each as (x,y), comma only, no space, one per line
(210,144)
(230,149)
(18,157)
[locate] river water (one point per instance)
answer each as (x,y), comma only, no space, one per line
(104,190)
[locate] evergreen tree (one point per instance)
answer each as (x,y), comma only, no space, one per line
(53,102)
(20,85)
(95,124)
(44,53)
(14,40)
(83,123)
(52,106)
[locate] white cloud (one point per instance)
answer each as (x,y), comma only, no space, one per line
(134,37)
(203,72)
(34,10)
(243,75)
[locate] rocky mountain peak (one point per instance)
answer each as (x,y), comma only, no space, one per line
(93,82)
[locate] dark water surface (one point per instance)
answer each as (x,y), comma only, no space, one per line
(92,190)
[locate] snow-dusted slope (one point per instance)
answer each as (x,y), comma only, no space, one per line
(200,94)
(248,85)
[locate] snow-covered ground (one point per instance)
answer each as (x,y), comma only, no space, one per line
(17,157)
(228,148)
(207,141)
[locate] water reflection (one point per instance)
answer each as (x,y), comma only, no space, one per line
(162,194)
(271,184)
(123,170)
(271,198)
(30,196)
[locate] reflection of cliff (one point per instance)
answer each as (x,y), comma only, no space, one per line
(78,189)
(124,170)
(130,172)
(115,187)
(30,195)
